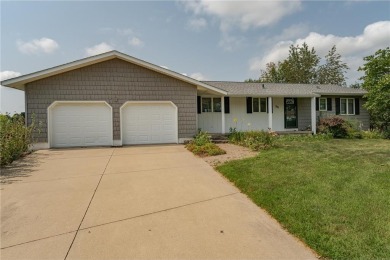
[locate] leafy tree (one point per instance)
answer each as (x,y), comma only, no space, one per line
(356,85)
(272,73)
(332,72)
(302,66)
(376,81)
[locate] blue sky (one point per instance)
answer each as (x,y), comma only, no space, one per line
(219,40)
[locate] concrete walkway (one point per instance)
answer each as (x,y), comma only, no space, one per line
(142,202)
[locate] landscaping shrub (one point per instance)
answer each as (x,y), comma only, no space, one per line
(235,136)
(15,138)
(202,145)
(338,127)
(255,140)
(372,134)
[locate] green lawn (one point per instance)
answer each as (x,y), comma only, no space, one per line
(334,195)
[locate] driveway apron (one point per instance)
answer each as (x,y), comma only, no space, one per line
(134,202)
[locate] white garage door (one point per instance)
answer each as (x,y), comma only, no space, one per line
(149,123)
(80,124)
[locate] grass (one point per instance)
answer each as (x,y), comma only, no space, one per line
(332,194)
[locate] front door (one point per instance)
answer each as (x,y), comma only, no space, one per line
(290,113)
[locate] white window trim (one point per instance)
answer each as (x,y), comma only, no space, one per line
(212,105)
(346,108)
(326,104)
(266,105)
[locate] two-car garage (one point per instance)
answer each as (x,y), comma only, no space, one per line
(90,123)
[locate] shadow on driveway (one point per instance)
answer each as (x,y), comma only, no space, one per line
(21,168)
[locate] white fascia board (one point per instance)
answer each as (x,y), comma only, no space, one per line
(341,94)
(275,95)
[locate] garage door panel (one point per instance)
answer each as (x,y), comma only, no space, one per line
(80,124)
(148,123)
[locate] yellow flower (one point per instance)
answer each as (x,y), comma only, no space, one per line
(235,120)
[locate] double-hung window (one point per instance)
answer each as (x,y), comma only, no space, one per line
(259,104)
(323,104)
(211,104)
(347,106)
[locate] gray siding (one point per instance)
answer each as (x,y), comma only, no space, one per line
(114,81)
(304,113)
(363,119)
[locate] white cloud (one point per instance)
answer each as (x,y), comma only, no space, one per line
(250,14)
(8,74)
(197,76)
(351,48)
(97,49)
(197,24)
(45,45)
(136,42)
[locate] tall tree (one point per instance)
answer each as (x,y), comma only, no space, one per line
(334,69)
(376,81)
(302,66)
(272,73)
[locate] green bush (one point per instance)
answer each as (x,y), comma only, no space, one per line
(255,140)
(208,149)
(235,136)
(386,134)
(202,145)
(371,134)
(202,138)
(338,127)
(15,138)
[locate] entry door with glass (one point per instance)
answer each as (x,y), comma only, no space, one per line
(290,113)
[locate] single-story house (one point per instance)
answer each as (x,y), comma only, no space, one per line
(113,99)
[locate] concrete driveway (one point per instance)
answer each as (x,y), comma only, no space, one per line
(141,202)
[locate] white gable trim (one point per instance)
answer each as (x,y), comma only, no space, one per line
(19,82)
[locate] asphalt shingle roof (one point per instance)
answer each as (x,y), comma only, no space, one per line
(280,89)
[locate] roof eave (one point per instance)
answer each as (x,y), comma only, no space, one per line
(341,94)
(19,82)
(274,95)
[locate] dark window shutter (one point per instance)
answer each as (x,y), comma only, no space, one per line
(317,104)
(249,105)
(198,101)
(329,104)
(337,106)
(357,107)
(266,104)
(227,105)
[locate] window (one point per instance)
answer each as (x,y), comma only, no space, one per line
(217,105)
(259,104)
(323,104)
(211,104)
(347,106)
(256,106)
(206,105)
